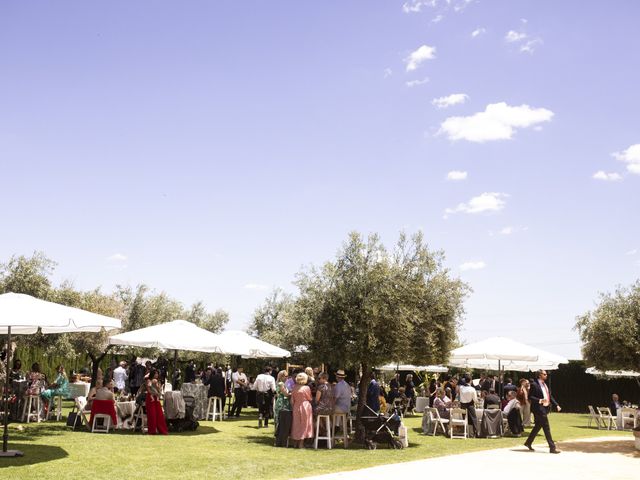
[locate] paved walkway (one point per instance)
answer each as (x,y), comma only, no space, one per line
(602,458)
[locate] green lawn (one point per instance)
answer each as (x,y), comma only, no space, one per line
(234,449)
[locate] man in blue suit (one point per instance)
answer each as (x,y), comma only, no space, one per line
(541,401)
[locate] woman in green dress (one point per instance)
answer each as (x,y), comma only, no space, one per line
(283,396)
(59,387)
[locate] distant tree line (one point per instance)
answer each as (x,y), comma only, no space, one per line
(137,307)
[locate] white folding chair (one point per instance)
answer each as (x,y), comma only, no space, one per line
(437,420)
(458,418)
(607,419)
(594,418)
(629,417)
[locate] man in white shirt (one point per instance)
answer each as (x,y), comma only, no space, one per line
(512,411)
(120,377)
(468,399)
(265,387)
(240,384)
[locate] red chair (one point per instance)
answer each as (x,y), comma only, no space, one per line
(105,407)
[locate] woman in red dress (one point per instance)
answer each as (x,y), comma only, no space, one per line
(155,415)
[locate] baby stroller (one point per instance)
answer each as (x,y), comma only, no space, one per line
(381,428)
(179,412)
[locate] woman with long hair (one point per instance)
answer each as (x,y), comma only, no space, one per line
(155,415)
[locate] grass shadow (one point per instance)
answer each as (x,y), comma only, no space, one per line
(33,454)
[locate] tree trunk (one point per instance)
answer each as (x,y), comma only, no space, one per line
(95,365)
(362,400)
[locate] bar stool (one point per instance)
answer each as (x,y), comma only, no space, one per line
(214,408)
(101,426)
(31,400)
(57,402)
(327,425)
(343,417)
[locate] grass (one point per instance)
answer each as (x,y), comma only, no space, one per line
(233,449)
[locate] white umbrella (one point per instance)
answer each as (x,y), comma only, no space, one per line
(503,353)
(255,347)
(415,368)
(24,314)
(613,373)
(177,335)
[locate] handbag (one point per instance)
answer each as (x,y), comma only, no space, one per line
(74,420)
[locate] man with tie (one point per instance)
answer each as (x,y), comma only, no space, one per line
(541,401)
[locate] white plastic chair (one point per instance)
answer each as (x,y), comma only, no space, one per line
(458,418)
(101,423)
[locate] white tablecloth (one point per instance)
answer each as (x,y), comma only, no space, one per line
(79,389)
(421,404)
(125,411)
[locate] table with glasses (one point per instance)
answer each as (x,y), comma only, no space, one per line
(200,394)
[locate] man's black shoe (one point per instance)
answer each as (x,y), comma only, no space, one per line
(554,451)
(528,445)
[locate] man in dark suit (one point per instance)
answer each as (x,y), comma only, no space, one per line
(541,401)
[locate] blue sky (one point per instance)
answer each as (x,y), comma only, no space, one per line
(211,149)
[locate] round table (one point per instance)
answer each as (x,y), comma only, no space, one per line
(125,411)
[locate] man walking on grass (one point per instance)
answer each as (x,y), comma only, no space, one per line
(541,401)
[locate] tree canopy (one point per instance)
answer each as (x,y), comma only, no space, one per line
(610,333)
(368,307)
(137,307)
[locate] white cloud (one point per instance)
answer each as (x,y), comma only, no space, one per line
(415,6)
(512,36)
(499,121)
(415,58)
(632,252)
(607,177)
(255,286)
(117,257)
(387,73)
(415,83)
(530,45)
(437,19)
(478,31)
(453,99)
(477,265)
(485,202)
(456,175)
(506,231)
(631,156)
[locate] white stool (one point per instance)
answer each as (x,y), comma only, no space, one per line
(30,401)
(214,408)
(57,402)
(327,426)
(102,426)
(343,417)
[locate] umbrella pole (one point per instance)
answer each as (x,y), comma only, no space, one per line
(5,435)
(175,369)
